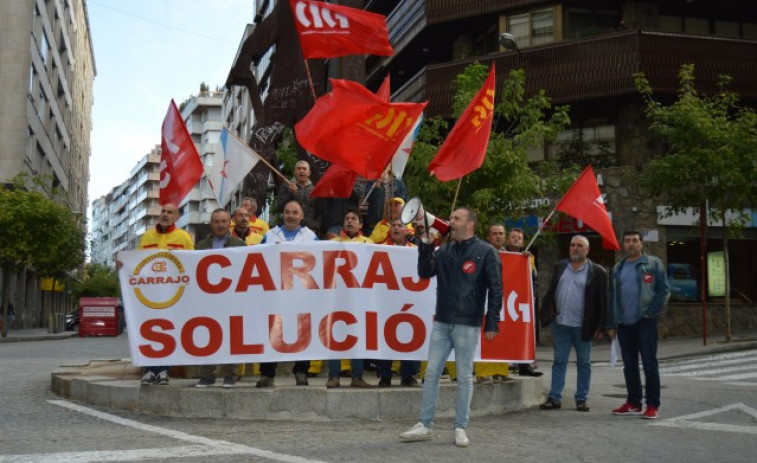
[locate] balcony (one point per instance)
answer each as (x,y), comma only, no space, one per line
(603,67)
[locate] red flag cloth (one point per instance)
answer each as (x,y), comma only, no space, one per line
(336,182)
(330,31)
(516,341)
(180,164)
(352,127)
(584,202)
(385,92)
(465,147)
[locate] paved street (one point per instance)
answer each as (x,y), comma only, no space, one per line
(708,414)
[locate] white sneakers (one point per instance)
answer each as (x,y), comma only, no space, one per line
(461,439)
(417,432)
(421,432)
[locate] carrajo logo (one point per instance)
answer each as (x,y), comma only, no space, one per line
(163,283)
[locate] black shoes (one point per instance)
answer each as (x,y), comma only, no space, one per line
(525,369)
(550,404)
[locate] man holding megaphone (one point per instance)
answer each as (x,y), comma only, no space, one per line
(468,275)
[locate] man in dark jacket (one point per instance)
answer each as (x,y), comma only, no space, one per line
(575,308)
(220,237)
(468,281)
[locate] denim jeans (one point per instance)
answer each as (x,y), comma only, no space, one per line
(357,366)
(444,338)
(562,338)
(640,339)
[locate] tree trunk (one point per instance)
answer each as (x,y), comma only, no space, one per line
(727,311)
(6,298)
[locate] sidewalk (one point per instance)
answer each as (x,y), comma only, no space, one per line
(36,334)
(670,348)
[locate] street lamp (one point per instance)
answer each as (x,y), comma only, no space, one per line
(509,41)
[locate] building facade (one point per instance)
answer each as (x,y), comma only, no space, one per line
(203,116)
(584,53)
(127,211)
(48,68)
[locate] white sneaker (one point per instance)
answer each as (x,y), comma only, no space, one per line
(461,439)
(417,432)
(148,378)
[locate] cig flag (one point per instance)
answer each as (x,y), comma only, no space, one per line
(330,31)
(180,164)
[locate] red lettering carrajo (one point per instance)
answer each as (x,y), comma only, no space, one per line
(338,270)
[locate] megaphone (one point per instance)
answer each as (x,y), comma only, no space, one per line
(413,210)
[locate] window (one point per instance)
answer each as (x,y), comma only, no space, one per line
(44,48)
(585,22)
(592,144)
(533,28)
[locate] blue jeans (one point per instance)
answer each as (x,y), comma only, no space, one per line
(640,339)
(444,338)
(357,366)
(562,338)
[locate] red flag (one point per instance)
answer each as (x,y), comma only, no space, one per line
(352,127)
(180,165)
(336,182)
(584,202)
(465,147)
(330,31)
(385,92)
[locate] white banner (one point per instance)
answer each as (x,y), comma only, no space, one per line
(276,302)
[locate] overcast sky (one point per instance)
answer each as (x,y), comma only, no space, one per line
(146,53)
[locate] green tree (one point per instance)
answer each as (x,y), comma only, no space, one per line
(99,281)
(711,155)
(38,232)
(505,185)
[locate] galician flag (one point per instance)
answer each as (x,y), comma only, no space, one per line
(230,166)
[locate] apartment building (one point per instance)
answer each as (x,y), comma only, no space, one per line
(584,53)
(47,71)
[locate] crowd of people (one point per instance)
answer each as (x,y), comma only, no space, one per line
(583,301)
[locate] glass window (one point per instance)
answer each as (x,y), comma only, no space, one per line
(44,48)
(696,25)
(593,144)
(670,24)
(532,28)
(727,29)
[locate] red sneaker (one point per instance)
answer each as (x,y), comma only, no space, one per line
(650,413)
(627,409)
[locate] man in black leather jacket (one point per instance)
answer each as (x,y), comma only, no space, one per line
(468,276)
(575,308)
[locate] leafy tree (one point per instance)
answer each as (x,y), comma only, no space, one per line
(99,281)
(711,154)
(505,185)
(37,232)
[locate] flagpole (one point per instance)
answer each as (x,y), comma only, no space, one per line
(310,79)
(457,192)
(275,171)
(539,230)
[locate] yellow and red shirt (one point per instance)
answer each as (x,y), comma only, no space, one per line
(172,238)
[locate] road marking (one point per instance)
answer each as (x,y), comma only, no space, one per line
(682,367)
(686,421)
(202,446)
